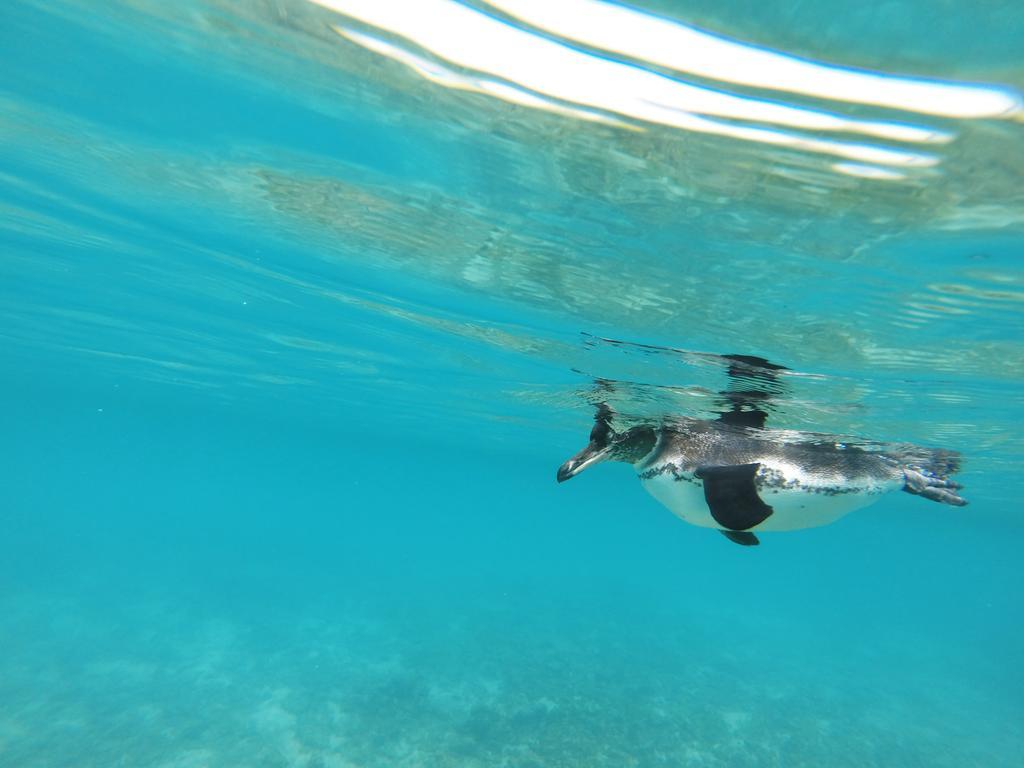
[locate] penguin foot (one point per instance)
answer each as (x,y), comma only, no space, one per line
(743,538)
(933,488)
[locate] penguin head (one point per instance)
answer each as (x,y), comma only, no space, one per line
(608,445)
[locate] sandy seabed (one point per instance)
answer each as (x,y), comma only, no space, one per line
(166,685)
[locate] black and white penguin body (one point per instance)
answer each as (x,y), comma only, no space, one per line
(806,485)
(734,475)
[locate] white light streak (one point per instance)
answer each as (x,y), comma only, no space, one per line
(674,45)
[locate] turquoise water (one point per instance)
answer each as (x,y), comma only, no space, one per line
(301,308)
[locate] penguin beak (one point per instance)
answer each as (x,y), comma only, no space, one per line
(589,456)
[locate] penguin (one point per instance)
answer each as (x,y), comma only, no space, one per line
(735,475)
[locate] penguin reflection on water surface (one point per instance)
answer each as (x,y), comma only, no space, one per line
(734,475)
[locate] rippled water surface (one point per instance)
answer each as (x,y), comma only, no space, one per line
(303,302)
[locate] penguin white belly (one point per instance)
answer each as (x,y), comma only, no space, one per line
(795,509)
(808,506)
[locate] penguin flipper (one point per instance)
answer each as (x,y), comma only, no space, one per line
(743,538)
(732,497)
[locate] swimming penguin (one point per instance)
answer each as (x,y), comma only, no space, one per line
(734,475)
